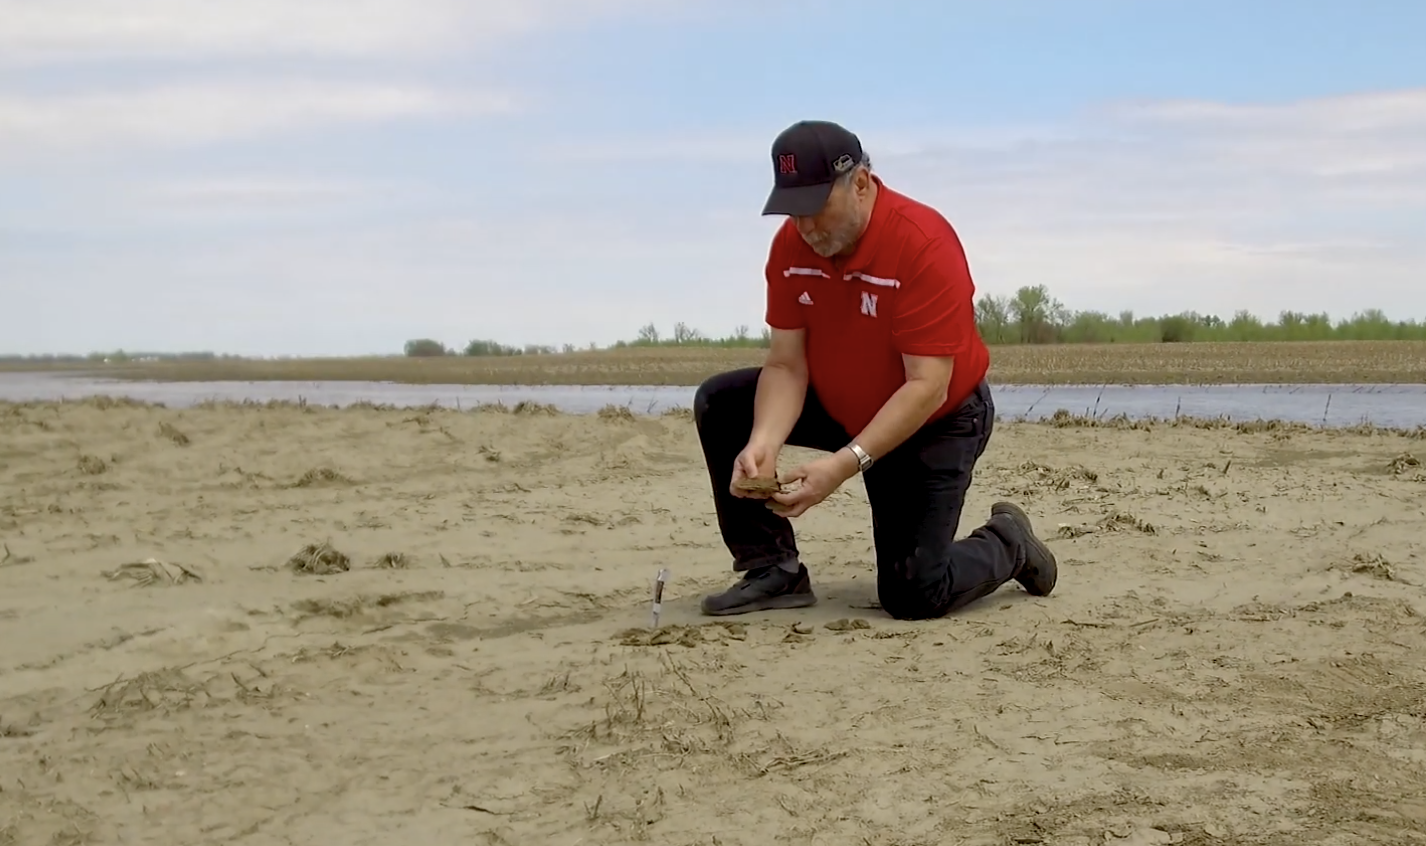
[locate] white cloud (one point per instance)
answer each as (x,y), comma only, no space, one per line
(38,121)
(42,31)
(1311,205)
(1154,207)
(1211,207)
(197,113)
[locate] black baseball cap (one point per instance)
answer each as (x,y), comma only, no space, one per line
(807,158)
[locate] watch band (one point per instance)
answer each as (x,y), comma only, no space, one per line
(864,460)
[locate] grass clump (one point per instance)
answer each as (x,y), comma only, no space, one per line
(319,559)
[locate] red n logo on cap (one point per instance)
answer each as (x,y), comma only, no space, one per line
(787,164)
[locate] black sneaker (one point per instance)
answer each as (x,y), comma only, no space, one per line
(763,590)
(1040,571)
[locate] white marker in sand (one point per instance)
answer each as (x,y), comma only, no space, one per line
(658,596)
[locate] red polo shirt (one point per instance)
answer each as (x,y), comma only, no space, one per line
(906,290)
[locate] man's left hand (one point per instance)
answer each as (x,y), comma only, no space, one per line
(818,478)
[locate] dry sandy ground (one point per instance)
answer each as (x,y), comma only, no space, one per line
(1235,655)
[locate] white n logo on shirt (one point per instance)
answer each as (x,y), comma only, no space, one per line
(868,304)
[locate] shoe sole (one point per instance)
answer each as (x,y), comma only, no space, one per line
(771,603)
(1038,549)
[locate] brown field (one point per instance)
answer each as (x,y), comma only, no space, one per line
(1339,362)
(273,624)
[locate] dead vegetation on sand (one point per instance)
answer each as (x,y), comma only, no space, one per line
(160,690)
(171,690)
(1404,464)
(1064,419)
(1116,521)
(612,413)
(321,477)
(1039,478)
(319,559)
(344,608)
(10,559)
(1371,564)
(152,571)
(171,432)
(668,714)
(393,561)
(689,636)
(324,559)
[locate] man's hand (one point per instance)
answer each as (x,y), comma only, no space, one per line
(818,479)
(758,460)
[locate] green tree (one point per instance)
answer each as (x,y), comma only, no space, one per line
(425,348)
(482,347)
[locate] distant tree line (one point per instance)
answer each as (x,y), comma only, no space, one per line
(1032,316)
(1029,316)
(427,348)
(649,336)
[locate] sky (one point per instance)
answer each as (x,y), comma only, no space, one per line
(335,177)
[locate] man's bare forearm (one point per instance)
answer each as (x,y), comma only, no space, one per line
(899,418)
(780,395)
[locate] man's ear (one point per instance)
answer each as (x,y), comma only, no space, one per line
(863,180)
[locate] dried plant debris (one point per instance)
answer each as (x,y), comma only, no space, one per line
(336,650)
(163,690)
(683,635)
(168,430)
(1373,565)
(1403,464)
(1057,478)
(11,730)
(1118,521)
(347,607)
(543,409)
(393,561)
(152,571)
(10,559)
(319,476)
(338,609)
(319,559)
(848,625)
(92,465)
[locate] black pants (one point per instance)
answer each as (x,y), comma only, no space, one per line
(916,493)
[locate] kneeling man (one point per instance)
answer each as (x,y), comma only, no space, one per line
(876,360)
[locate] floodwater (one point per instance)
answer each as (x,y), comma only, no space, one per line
(1333,405)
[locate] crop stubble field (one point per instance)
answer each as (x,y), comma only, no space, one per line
(252,624)
(1341,362)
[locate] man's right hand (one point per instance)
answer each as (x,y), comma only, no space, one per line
(757,461)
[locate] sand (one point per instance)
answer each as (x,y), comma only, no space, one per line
(1236,653)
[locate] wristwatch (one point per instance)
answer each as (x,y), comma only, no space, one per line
(864,460)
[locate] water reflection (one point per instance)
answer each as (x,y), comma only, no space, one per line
(1333,405)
